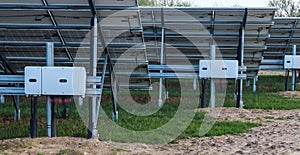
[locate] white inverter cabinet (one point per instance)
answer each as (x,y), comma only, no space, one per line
(33,80)
(55,81)
(218,69)
(292,62)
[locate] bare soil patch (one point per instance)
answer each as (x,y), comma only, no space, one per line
(270,72)
(290,94)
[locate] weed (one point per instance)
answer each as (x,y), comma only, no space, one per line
(269,117)
(61,152)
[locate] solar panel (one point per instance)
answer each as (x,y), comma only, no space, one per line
(221,25)
(123,34)
(25,27)
(27,2)
(192,31)
(284,33)
(62,2)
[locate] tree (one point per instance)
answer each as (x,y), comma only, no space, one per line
(286,8)
(169,3)
(146,2)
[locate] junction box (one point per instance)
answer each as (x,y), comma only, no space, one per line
(218,69)
(292,62)
(56,81)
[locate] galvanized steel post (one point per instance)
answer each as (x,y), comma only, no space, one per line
(50,62)
(294,52)
(92,129)
(160,102)
(212,81)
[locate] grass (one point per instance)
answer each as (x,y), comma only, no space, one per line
(269,117)
(279,118)
(117,150)
(61,152)
(264,98)
(221,127)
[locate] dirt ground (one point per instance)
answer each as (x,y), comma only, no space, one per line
(280,134)
(269,72)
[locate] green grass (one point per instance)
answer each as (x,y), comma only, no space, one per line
(220,128)
(117,150)
(264,98)
(61,152)
(269,117)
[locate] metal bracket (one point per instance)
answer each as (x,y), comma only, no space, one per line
(242,76)
(242,68)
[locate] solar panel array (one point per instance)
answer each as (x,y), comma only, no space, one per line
(284,33)
(192,30)
(25,27)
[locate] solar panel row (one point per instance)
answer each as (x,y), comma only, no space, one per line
(189,33)
(192,30)
(284,34)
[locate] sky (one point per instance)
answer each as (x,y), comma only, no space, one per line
(230,3)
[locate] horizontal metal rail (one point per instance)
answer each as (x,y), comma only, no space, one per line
(14,79)
(271,67)
(44,27)
(81,7)
(11,79)
(184,75)
(21,91)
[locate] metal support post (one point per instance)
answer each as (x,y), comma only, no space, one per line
(203,95)
(212,81)
(92,128)
(19,110)
(239,100)
(2,99)
(114,90)
(53,122)
(195,84)
(294,71)
(166,89)
(102,83)
(115,110)
(33,119)
(254,84)
(51,128)
(248,82)
(160,102)
(287,75)
(295,86)
(17,115)
(166,80)
(293,80)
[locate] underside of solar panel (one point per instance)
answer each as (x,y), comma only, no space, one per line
(133,36)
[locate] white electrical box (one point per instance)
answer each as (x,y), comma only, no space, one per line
(204,69)
(219,69)
(55,81)
(292,62)
(288,62)
(33,80)
(296,62)
(63,81)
